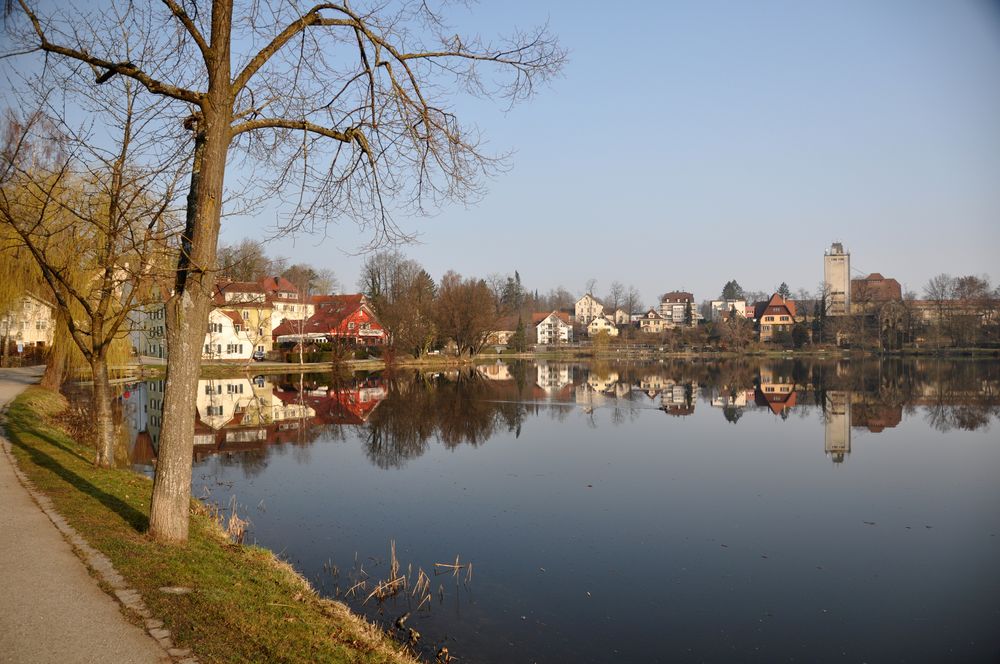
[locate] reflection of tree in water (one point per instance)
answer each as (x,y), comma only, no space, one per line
(732,413)
(970,417)
(465,409)
(251,461)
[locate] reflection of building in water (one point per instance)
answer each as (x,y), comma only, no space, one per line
(678,398)
(837,434)
(727,399)
(136,404)
(775,391)
(553,377)
(349,404)
(221,399)
(496,371)
(876,417)
(653,383)
(603,383)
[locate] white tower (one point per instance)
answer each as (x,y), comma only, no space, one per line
(837,279)
(837,434)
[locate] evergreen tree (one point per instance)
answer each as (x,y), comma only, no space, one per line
(732,291)
(784,291)
(518,342)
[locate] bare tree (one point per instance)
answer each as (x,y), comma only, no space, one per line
(615,297)
(940,290)
(246,261)
(352,106)
(402,296)
(465,312)
(95,225)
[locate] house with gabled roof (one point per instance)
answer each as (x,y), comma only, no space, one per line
(774,316)
(29,321)
(553,328)
(588,308)
(228,337)
(343,318)
(602,324)
(652,322)
(287,302)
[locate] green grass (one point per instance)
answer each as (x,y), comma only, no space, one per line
(247,606)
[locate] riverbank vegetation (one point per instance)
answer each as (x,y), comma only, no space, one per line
(245,604)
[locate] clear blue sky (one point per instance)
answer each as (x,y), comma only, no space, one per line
(688,143)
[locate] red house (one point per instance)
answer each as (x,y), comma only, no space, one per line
(344,318)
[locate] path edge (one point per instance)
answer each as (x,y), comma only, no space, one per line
(128,598)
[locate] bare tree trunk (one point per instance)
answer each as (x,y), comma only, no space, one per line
(187,312)
(55,368)
(103,420)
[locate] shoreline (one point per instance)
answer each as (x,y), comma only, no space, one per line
(219,599)
(439,363)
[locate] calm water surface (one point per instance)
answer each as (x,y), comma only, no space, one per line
(827,511)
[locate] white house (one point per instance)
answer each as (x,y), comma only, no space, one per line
(228,337)
(553,328)
(553,377)
(677,307)
(722,308)
(28,322)
(602,324)
(219,401)
(587,309)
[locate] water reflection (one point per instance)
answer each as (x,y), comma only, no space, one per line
(400,414)
(773,497)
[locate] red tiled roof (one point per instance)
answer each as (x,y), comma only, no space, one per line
(677,296)
(223,287)
(238,287)
(777,305)
(875,288)
(507,323)
(234,316)
(776,401)
(537,318)
(353,301)
(276,284)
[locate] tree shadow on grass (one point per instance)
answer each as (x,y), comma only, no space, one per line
(133,517)
(56,442)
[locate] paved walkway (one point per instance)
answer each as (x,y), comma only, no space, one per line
(51,609)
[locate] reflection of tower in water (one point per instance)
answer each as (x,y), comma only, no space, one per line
(837,437)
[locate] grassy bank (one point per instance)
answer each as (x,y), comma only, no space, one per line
(246,605)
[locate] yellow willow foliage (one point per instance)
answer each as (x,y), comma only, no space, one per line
(87,237)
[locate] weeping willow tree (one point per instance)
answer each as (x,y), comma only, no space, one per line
(93,227)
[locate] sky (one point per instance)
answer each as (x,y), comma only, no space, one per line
(689,143)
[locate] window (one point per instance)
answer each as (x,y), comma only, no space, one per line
(208,349)
(246,315)
(350,326)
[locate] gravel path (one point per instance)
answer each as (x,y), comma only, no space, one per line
(51,609)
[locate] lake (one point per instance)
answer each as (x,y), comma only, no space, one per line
(835,510)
